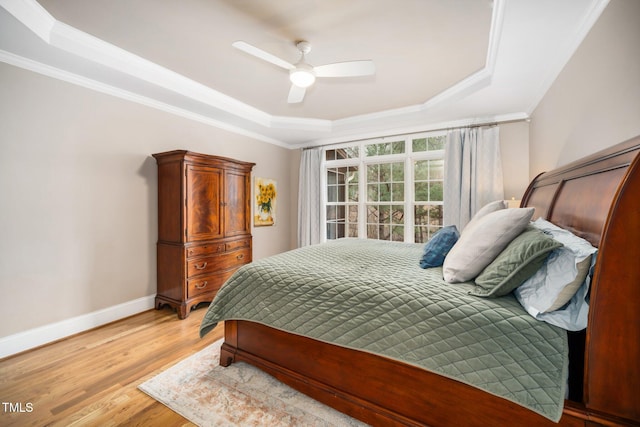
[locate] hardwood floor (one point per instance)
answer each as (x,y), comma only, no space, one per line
(91,379)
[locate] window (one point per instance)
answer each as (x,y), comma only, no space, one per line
(385,201)
(342,202)
(428,183)
(386,190)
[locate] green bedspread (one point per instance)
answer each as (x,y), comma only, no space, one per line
(373,296)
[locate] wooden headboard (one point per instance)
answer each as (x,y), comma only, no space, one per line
(598,198)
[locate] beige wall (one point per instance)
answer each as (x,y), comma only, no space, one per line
(78,207)
(595,101)
(514,151)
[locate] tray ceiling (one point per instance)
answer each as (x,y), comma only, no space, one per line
(438,62)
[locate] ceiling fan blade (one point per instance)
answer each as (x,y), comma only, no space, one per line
(296,94)
(259,53)
(346,69)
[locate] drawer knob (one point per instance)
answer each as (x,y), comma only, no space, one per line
(202,285)
(240,256)
(200,266)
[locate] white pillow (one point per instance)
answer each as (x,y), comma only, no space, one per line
(482,241)
(486,209)
(574,316)
(559,279)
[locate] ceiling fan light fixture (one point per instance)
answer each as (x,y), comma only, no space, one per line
(302,76)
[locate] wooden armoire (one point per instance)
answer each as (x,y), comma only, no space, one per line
(204,228)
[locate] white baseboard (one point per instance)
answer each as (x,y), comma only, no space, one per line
(16,343)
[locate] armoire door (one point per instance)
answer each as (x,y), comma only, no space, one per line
(237,206)
(204,204)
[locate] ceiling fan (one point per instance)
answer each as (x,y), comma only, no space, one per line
(302,74)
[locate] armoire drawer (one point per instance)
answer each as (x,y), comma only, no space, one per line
(218,262)
(205,249)
(237,244)
(204,284)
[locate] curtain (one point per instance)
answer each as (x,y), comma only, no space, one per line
(310,197)
(473,174)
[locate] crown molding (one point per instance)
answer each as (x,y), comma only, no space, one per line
(94,49)
(405,130)
(301,123)
(32,15)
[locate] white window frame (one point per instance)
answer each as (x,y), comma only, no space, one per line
(408,157)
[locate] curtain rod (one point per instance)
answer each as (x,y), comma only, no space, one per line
(477,125)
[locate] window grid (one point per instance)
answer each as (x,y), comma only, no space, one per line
(342,196)
(385,201)
(428,186)
(388,190)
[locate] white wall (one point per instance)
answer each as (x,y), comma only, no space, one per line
(78,196)
(595,101)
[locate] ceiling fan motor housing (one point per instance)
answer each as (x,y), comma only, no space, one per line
(303,46)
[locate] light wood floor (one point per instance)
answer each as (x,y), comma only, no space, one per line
(91,379)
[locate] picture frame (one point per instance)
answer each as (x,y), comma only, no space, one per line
(265,202)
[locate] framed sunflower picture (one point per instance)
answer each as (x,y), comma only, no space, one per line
(264,212)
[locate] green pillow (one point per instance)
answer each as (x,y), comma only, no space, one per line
(515,264)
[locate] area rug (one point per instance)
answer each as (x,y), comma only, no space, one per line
(240,395)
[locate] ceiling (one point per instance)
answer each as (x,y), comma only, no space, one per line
(439,63)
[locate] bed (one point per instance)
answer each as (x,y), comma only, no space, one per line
(595,198)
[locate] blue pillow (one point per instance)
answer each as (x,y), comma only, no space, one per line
(439,246)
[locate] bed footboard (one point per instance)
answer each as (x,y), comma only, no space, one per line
(375,389)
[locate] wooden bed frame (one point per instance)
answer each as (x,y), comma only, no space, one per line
(597,198)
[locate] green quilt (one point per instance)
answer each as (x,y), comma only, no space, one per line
(372,296)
